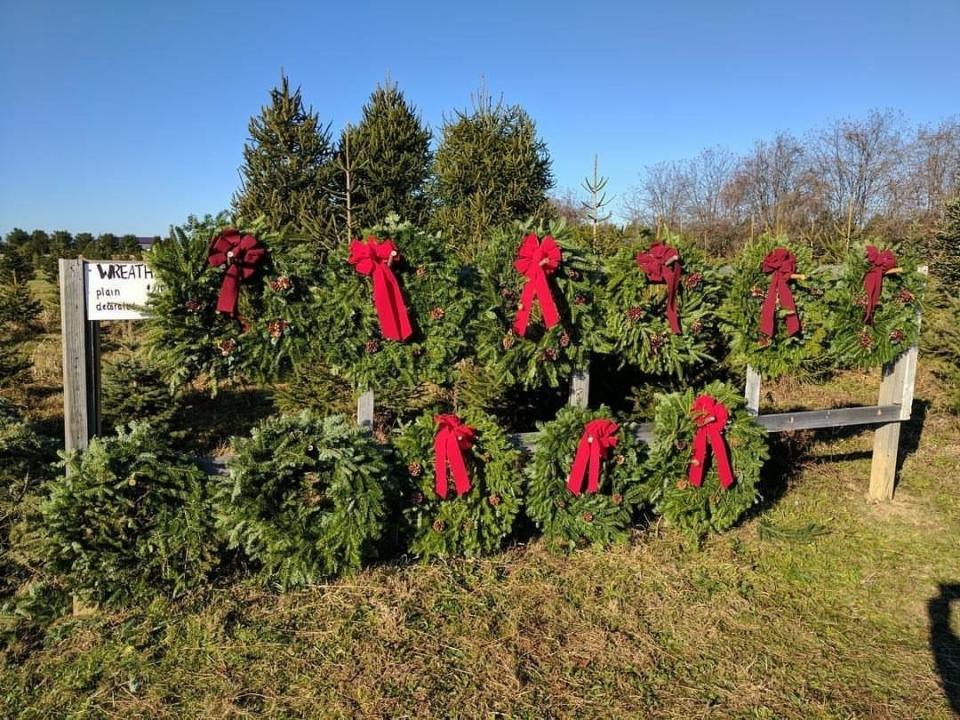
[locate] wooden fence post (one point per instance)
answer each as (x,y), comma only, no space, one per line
(896,388)
(365,410)
(580,387)
(751,391)
(81,359)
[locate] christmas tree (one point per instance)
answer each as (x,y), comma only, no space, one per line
(391,153)
(133,389)
(948,247)
(491,168)
(287,169)
(19,308)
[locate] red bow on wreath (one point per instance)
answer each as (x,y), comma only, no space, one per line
(782,265)
(881,263)
(598,437)
(536,260)
(451,439)
(661,263)
(374,258)
(710,417)
(241,254)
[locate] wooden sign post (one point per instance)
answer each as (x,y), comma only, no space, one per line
(92,291)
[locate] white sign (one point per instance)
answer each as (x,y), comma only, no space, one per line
(117,290)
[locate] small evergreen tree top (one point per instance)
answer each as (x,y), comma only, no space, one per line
(491,168)
(287,170)
(391,147)
(134,390)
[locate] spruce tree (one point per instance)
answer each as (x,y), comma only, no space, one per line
(134,390)
(491,168)
(287,165)
(390,151)
(19,308)
(948,247)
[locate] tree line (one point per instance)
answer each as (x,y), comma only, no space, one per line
(875,175)
(24,253)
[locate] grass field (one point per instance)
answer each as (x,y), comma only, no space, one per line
(848,619)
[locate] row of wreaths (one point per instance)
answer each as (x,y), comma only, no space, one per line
(309,497)
(398,308)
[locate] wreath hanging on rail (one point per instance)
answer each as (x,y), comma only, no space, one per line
(586,478)
(874,307)
(540,316)
(228,303)
(707,454)
(464,484)
(392,310)
(305,497)
(774,309)
(660,307)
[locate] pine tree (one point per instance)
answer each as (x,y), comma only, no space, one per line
(948,247)
(19,308)
(134,390)
(491,168)
(391,152)
(287,169)
(15,263)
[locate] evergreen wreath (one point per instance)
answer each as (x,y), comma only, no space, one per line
(305,497)
(709,507)
(266,334)
(741,312)
(542,356)
(599,518)
(862,341)
(636,324)
(439,303)
(475,522)
(129,518)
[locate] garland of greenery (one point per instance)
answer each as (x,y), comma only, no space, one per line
(710,507)
(129,518)
(471,524)
(189,339)
(542,356)
(304,497)
(600,518)
(895,325)
(438,300)
(636,328)
(740,313)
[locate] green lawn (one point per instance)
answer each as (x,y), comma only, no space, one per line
(829,624)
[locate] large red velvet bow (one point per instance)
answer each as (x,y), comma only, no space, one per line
(452,437)
(241,254)
(781,264)
(661,263)
(597,438)
(374,258)
(710,416)
(881,263)
(536,260)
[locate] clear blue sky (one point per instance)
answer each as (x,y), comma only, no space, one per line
(126,116)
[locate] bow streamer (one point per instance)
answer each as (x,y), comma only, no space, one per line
(781,264)
(451,439)
(881,263)
(374,258)
(661,263)
(710,417)
(598,437)
(241,254)
(535,261)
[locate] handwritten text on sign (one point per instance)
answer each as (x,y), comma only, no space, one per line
(117,290)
